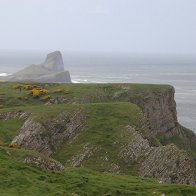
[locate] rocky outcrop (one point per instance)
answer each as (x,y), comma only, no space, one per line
(169,165)
(59,77)
(11,115)
(54,62)
(47,137)
(44,163)
(134,145)
(86,152)
(51,71)
(166,163)
(160,110)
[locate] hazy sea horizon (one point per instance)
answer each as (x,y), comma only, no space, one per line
(182,77)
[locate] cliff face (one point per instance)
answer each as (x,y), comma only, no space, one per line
(54,62)
(160,110)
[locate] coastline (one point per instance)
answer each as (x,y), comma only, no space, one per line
(184,96)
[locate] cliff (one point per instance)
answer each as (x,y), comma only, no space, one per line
(54,62)
(160,107)
(51,71)
(121,128)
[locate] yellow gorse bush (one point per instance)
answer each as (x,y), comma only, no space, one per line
(14,145)
(36,92)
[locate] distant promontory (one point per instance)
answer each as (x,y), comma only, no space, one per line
(52,70)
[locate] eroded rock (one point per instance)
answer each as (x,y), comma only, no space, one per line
(169,165)
(134,146)
(44,163)
(10,115)
(47,137)
(166,163)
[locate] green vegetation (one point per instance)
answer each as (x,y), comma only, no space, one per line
(18,178)
(9,129)
(10,96)
(109,108)
(102,130)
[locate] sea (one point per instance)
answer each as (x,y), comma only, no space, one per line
(182,77)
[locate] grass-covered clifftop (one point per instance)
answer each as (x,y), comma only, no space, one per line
(127,129)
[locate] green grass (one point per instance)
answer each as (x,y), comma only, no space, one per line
(79,93)
(18,178)
(102,133)
(9,129)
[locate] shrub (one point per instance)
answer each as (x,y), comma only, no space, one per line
(61,90)
(25,86)
(18,86)
(14,145)
(23,98)
(29,87)
(36,92)
(2,144)
(45,98)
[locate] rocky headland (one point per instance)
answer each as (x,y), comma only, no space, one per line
(51,71)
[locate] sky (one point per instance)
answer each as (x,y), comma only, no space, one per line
(110,26)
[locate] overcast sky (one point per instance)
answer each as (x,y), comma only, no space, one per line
(116,26)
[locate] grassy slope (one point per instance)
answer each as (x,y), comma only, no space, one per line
(100,130)
(9,129)
(20,179)
(102,134)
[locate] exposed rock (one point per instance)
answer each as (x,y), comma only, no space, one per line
(57,100)
(60,77)
(54,62)
(85,154)
(11,115)
(166,163)
(135,145)
(44,163)
(160,110)
(46,138)
(114,168)
(33,135)
(169,165)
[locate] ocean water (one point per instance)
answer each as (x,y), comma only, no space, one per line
(183,78)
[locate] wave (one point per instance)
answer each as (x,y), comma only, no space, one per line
(5,74)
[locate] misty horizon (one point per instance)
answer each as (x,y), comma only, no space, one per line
(23,58)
